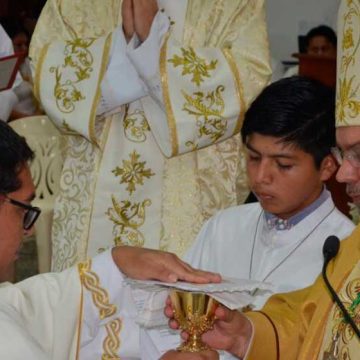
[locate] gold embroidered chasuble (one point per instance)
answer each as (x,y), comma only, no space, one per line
(301,317)
(340,341)
(123,181)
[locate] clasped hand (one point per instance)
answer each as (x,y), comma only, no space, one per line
(137,17)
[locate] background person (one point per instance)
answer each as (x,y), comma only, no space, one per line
(319,41)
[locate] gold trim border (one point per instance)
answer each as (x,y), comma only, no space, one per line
(100,296)
(80,321)
(101,144)
(111,343)
(98,158)
(38,71)
(104,60)
(168,107)
(239,88)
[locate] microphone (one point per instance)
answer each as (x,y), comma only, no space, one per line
(330,250)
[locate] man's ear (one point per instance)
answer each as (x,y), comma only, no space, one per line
(328,167)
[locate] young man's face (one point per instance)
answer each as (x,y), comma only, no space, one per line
(283,177)
(348,140)
(11,223)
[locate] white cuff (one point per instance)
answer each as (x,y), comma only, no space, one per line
(121,83)
(145,57)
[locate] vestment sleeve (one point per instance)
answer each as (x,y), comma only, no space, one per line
(80,310)
(46,309)
(206,90)
(279,327)
(121,83)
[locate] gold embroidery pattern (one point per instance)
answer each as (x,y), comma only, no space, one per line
(73,205)
(136,126)
(111,343)
(193,64)
(347,104)
(341,330)
(133,172)
(93,124)
(208,112)
(349,295)
(78,67)
(92,283)
(128,217)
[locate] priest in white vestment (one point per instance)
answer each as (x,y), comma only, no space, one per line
(85,312)
(151,125)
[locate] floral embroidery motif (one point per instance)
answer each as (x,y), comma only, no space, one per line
(348,41)
(111,343)
(128,217)
(136,126)
(99,295)
(76,68)
(342,332)
(133,172)
(208,112)
(193,64)
(347,103)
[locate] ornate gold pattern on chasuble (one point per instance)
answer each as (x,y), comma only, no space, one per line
(136,126)
(76,68)
(208,110)
(348,297)
(133,172)
(69,231)
(347,103)
(128,217)
(193,65)
(100,297)
(343,343)
(219,172)
(111,344)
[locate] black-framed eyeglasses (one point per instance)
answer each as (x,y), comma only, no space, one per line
(31,212)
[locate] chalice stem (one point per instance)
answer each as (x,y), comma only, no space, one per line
(193,344)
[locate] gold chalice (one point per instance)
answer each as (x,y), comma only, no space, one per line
(195,313)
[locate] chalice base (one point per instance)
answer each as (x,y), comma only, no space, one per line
(193,344)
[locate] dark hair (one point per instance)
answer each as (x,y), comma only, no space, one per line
(321,30)
(297,110)
(14,153)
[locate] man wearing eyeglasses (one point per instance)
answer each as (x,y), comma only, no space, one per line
(307,324)
(76,313)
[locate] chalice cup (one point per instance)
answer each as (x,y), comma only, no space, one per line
(195,313)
